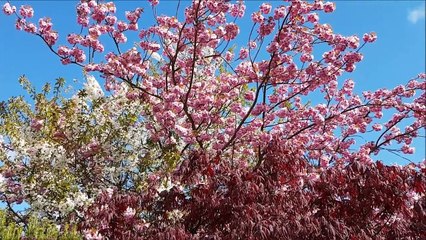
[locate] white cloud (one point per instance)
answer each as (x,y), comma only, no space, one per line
(416,14)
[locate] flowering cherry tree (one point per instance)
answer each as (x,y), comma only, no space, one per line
(198,137)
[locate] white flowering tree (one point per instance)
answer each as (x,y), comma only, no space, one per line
(60,153)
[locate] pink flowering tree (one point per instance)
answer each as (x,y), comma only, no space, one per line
(202,137)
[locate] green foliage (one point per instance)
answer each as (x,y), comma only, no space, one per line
(9,230)
(36,229)
(47,230)
(171,158)
(27,86)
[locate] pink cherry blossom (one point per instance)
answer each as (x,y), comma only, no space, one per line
(280,12)
(369,37)
(243,53)
(407,149)
(238,10)
(377,127)
(313,18)
(231,31)
(26,11)
(257,17)
(329,7)
(306,57)
(8,9)
(45,25)
(20,23)
(154,2)
(265,8)
(188,135)
(30,28)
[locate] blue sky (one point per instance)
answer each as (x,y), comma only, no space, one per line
(397,55)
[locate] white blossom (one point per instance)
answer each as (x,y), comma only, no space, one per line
(2,183)
(110,191)
(130,212)
(92,88)
(175,215)
(166,185)
(156,56)
(92,235)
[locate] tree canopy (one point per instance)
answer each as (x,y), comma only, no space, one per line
(188,135)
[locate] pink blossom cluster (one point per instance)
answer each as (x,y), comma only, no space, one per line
(8,9)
